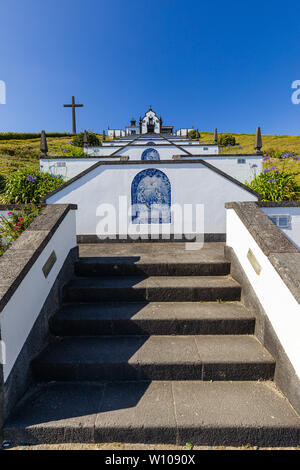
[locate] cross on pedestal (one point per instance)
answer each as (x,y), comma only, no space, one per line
(73,106)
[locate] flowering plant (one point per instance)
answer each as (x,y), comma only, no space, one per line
(15,223)
(275,185)
(25,186)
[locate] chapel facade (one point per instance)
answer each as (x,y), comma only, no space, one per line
(150,123)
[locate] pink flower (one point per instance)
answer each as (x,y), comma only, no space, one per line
(20,219)
(18,224)
(9,213)
(16,228)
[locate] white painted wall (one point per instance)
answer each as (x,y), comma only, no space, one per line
(145,121)
(156,140)
(116,133)
(132,130)
(23,308)
(165,149)
(191,183)
(229,164)
(107,149)
(184,131)
(275,297)
(72,166)
(166,152)
(292,232)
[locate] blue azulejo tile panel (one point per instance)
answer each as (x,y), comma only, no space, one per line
(150,154)
(151,197)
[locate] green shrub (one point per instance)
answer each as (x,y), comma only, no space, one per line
(274,185)
(227,140)
(93,140)
(72,151)
(30,135)
(16,222)
(24,186)
(192,134)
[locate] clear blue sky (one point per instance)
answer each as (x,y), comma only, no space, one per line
(203,63)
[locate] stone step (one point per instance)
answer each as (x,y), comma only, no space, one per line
(154,289)
(135,266)
(152,318)
(202,413)
(202,357)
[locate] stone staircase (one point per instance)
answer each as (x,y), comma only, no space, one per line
(152,344)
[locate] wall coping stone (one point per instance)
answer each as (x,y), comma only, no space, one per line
(281,252)
(16,262)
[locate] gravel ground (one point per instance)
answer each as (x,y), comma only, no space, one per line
(130,447)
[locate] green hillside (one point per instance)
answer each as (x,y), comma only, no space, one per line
(16,154)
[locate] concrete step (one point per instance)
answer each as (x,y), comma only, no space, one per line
(202,357)
(153,289)
(153,318)
(202,413)
(135,266)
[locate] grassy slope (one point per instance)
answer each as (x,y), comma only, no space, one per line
(27,151)
(280,143)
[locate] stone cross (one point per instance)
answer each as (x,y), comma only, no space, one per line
(73,106)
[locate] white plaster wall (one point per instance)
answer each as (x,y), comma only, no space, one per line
(184,131)
(229,164)
(275,297)
(292,232)
(116,132)
(158,141)
(145,121)
(190,142)
(22,310)
(131,129)
(190,184)
(166,152)
(73,166)
(104,150)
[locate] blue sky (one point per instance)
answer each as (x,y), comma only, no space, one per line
(203,63)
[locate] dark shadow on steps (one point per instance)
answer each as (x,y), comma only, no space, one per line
(57,401)
(103,318)
(102,358)
(149,266)
(150,318)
